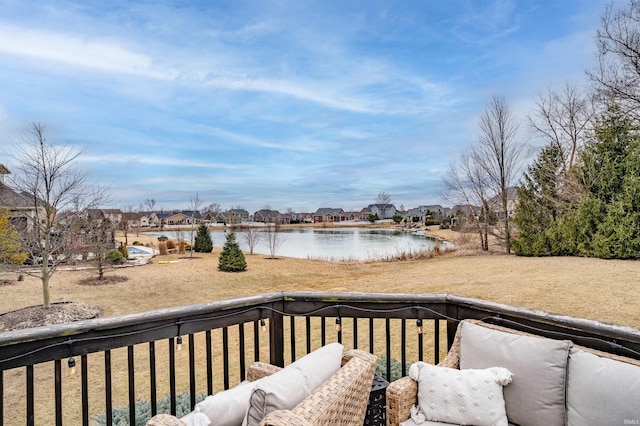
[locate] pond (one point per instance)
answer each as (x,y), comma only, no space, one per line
(334,244)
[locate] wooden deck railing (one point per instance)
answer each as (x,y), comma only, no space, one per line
(207,347)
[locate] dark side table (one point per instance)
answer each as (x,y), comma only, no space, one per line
(377,405)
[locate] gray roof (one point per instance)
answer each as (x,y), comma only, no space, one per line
(12,199)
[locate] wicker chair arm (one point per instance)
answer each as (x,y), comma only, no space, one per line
(258,370)
(165,420)
(284,418)
(402,394)
(357,353)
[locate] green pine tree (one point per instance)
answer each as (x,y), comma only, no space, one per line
(538,201)
(203,243)
(231,259)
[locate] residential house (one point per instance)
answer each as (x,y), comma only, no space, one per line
(327,214)
(20,206)
(113,215)
(384,211)
(172,218)
(355,215)
(235,216)
(268,216)
(495,203)
(414,215)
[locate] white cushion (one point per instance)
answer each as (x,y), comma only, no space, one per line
(226,408)
(601,390)
(288,387)
(460,396)
(539,367)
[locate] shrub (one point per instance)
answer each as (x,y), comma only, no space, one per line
(203,243)
(396,368)
(232,259)
(171,244)
(181,247)
(143,410)
(114,257)
(137,243)
(123,249)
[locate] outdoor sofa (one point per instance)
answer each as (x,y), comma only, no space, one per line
(536,381)
(326,387)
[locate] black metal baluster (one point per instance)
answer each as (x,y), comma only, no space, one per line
(58,390)
(436,342)
(388,345)
(192,371)
(292,331)
(30,396)
(172,375)
(153,389)
(307,321)
(132,385)
(323,328)
(84,370)
(371,335)
(241,351)
(108,394)
(225,356)
(256,341)
(355,333)
(209,363)
(403,349)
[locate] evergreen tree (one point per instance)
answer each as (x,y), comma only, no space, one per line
(538,203)
(605,222)
(11,251)
(232,259)
(203,243)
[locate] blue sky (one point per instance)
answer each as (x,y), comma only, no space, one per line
(288,103)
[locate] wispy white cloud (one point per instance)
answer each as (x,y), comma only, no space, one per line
(77,51)
(154,160)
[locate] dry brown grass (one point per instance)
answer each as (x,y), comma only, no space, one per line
(605,290)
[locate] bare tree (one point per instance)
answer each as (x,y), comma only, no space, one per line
(466,183)
(49,175)
(214,208)
(563,118)
(274,238)
(383,199)
(617,76)
(194,206)
(150,203)
(252,237)
(125,223)
(499,154)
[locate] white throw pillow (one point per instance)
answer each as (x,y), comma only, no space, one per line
(288,387)
(466,397)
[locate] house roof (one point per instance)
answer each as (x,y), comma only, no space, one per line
(328,210)
(381,206)
(12,199)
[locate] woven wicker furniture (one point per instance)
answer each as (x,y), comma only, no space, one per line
(341,400)
(591,393)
